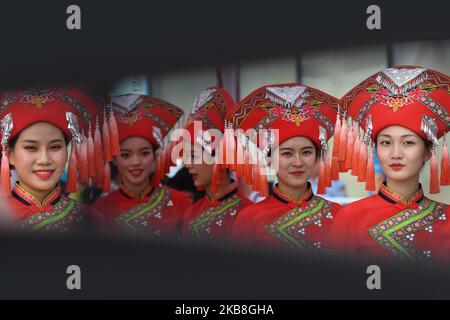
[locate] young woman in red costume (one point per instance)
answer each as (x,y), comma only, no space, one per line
(403,111)
(36,128)
(211,218)
(292,216)
(142,204)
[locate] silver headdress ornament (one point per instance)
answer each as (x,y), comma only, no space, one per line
(430,128)
(74,128)
(368,131)
(323,142)
(157,135)
(7,127)
(203,98)
(204,139)
(287,96)
(398,81)
(269,140)
(127,101)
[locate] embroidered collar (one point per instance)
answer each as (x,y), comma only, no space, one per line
(389,195)
(132,195)
(226,193)
(27,198)
(287,198)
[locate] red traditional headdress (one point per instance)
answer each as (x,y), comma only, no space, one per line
(149,118)
(409,96)
(294,110)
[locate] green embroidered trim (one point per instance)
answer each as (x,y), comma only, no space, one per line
(141,210)
(59,212)
(205,219)
(291,227)
(394,234)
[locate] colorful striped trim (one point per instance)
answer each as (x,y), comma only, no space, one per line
(29,198)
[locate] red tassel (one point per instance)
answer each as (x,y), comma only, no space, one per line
(264,185)
(5,178)
(106,141)
(113,135)
(335,168)
(434,178)
(224,147)
(91,156)
(322,182)
(342,166)
(343,143)
(71,183)
(232,152)
(239,163)
(247,168)
(362,163)
(98,149)
(337,135)
(370,176)
(83,161)
(355,160)
(107,178)
(350,147)
(256,180)
(328,171)
(445,180)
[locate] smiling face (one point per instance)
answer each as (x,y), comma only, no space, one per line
(136,161)
(401,153)
(296,159)
(39,156)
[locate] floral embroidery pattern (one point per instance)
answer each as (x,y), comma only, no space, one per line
(396,234)
(64,214)
(294,113)
(396,101)
(136,219)
(291,227)
(38,99)
(200,227)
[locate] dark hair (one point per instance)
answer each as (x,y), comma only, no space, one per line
(182,181)
(13,141)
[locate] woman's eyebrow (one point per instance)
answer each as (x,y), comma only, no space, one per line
(408,135)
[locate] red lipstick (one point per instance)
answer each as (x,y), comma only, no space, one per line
(397,166)
(44,174)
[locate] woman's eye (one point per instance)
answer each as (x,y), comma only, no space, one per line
(55,148)
(30,148)
(124,155)
(307,153)
(409,143)
(145,153)
(385,143)
(286,154)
